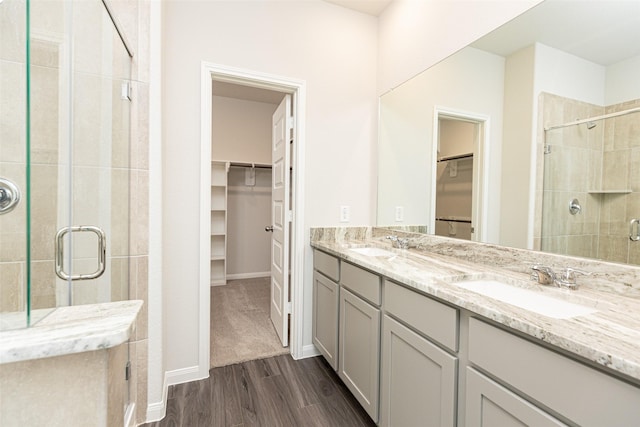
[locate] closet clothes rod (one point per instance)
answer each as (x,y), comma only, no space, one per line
(465,221)
(250,165)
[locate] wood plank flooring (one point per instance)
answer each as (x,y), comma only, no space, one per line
(277,391)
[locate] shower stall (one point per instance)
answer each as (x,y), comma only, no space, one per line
(591,190)
(65,75)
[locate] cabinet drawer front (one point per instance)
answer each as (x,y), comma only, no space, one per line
(325,318)
(489,404)
(326,264)
(578,392)
(359,350)
(362,282)
(418,380)
(432,318)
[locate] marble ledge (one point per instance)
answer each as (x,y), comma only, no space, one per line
(73,329)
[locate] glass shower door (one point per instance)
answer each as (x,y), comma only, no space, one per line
(64,143)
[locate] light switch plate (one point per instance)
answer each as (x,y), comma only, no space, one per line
(399,213)
(345,213)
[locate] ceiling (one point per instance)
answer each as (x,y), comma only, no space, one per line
(589,29)
(370,7)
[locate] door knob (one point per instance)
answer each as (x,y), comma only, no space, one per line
(269,228)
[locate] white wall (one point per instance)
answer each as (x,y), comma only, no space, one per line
(471,81)
(516,148)
(414,35)
(249,211)
(334,51)
(241,130)
(622,83)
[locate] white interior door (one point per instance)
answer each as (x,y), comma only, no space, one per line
(280,215)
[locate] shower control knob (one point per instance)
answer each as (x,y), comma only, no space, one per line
(269,228)
(9,196)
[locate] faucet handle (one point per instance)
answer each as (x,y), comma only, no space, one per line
(392,238)
(569,274)
(543,275)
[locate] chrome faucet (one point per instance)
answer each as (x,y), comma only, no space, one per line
(398,242)
(546,276)
(568,277)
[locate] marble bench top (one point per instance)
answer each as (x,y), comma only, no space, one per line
(610,337)
(72,329)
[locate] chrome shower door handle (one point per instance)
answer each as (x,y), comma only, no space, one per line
(634,235)
(102,252)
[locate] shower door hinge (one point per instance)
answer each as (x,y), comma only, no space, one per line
(288,307)
(290,216)
(547,149)
(125,91)
(127,371)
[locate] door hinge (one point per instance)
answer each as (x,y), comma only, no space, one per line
(127,371)
(290,216)
(289,307)
(125,91)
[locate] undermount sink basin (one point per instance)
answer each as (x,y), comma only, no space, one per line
(372,251)
(526,299)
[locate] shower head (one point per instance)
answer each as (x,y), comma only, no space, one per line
(591,125)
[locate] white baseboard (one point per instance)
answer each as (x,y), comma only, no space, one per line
(239,276)
(309,351)
(157,410)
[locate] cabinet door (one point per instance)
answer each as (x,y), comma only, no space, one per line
(418,380)
(325,318)
(359,350)
(489,404)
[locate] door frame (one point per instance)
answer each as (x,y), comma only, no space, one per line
(297,88)
(480,195)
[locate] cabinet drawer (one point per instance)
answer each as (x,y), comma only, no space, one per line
(362,282)
(432,318)
(327,265)
(578,392)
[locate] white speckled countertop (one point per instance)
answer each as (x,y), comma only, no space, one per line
(610,337)
(72,329)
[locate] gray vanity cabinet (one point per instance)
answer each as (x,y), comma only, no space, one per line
(418,378)
(326,297)
(359,336)
(568,389)
(489,404)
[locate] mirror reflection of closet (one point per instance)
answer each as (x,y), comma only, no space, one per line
(454,182)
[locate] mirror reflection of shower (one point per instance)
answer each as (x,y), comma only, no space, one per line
(591,159)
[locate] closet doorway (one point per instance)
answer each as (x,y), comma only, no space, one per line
(253,152)
(459,203)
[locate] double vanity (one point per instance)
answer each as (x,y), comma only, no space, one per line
(452,332)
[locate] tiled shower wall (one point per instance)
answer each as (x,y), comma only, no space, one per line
(595,166)
(133,16)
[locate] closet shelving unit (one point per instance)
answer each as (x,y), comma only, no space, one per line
(219,222)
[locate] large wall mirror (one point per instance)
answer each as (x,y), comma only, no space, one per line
(528,137)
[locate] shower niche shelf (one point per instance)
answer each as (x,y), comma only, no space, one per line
(219,191)
(615,191)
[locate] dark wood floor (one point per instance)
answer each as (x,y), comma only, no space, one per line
(277,391)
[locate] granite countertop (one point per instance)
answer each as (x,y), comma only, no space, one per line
(72,329)
(609,337)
